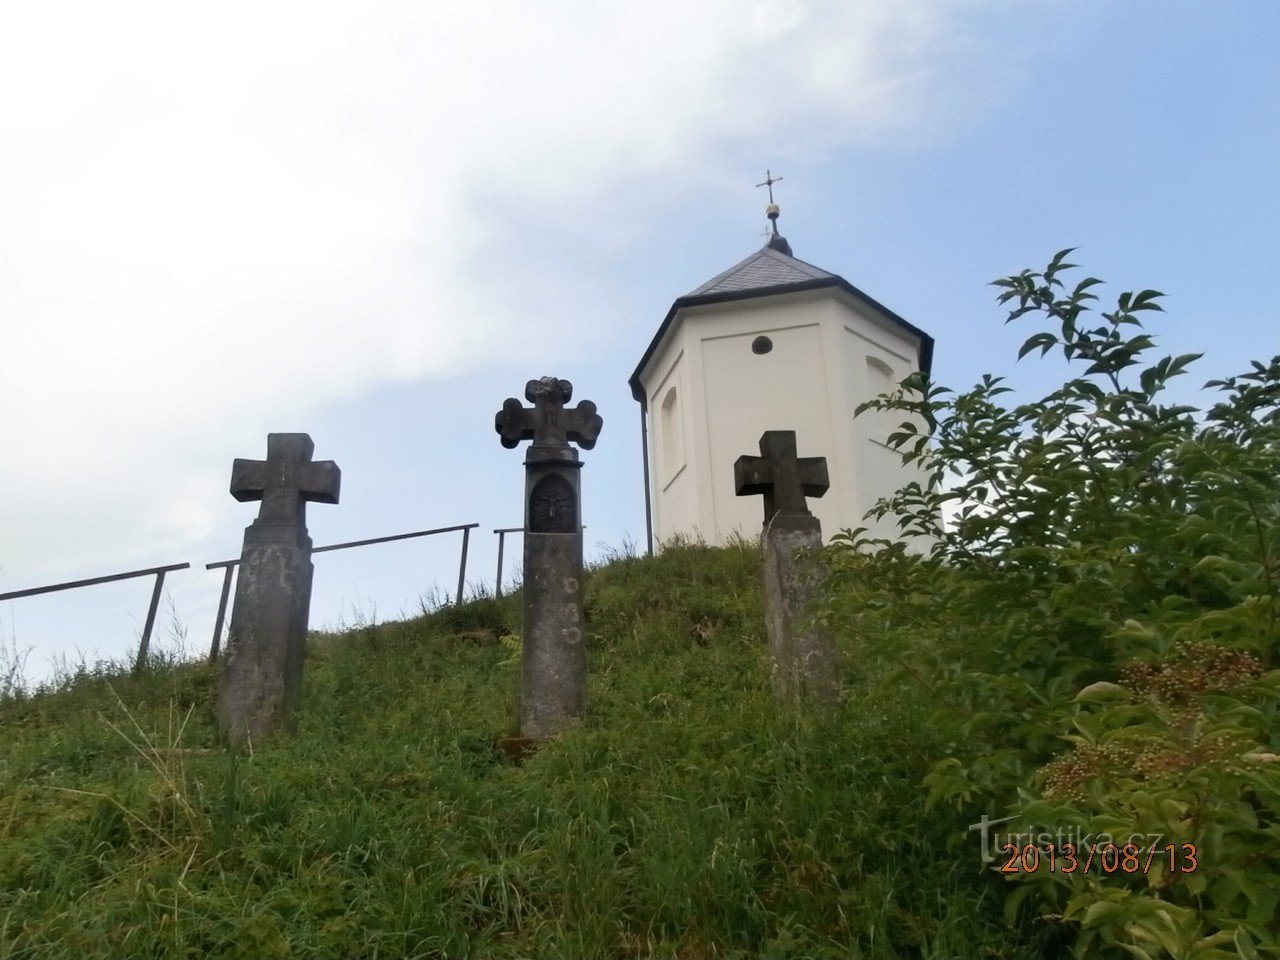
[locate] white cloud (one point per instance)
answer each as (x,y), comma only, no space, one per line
(214,212)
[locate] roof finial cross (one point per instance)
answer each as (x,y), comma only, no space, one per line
(776,240)
(769,181)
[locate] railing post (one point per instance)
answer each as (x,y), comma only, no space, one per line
(222,613)
(462,566)
(497,586)
(151,622)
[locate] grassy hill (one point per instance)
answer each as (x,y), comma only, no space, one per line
(689,817)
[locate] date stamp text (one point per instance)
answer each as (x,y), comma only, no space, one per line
(1099,858)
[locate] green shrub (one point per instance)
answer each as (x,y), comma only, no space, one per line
(1096,623)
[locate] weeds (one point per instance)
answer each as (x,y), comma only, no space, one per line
(687,817)
(13,667)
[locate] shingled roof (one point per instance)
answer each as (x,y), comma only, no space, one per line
(767,272)
(766,268)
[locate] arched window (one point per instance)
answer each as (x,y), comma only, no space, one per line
(880,379)
(672,438)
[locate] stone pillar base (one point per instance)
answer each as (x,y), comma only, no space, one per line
(554,665)
(261,683)
(806,664)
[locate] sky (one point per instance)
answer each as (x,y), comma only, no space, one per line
(372,223)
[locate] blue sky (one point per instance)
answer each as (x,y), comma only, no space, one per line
(374,225)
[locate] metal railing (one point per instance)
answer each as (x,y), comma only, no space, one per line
(502,536)
(230,565)
(157,572)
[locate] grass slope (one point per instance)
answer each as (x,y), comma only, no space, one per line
(689,817)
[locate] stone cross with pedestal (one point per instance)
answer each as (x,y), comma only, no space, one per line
(806,663)
(261,682)
(554,666)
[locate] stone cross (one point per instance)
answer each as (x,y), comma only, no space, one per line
(806,664)
(784,479)
(286,480)
(261,682)
(553,662)
(548,423)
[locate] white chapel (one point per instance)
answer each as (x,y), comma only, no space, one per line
(772,343)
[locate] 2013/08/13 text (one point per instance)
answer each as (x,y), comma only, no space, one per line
(1100,858)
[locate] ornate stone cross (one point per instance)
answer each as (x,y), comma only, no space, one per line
(784,479)
(553,669)
(548,423)
(286,480)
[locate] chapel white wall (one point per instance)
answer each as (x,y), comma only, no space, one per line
(726,396)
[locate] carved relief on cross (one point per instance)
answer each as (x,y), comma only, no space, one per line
(548,423)
(783,478)
(286,480)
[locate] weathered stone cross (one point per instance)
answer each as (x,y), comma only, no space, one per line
(806,664)
(548,423)
(783,478)
(286,480)
(261,684)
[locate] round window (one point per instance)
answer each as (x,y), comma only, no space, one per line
(761,345)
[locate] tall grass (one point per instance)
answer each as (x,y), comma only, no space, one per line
(688,817)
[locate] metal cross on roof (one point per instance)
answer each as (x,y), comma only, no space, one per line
(286,480)
(769,181)
(780,476)
(548,423)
